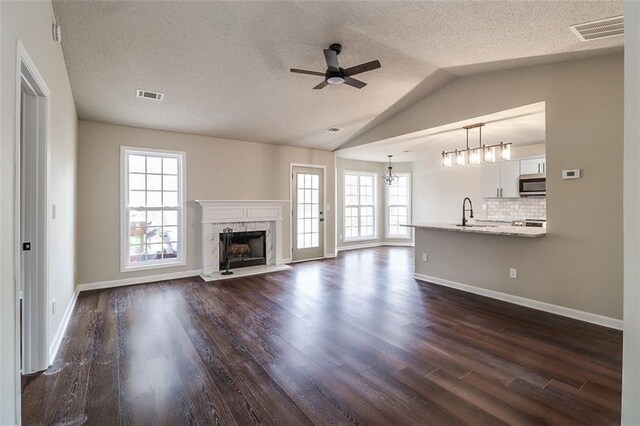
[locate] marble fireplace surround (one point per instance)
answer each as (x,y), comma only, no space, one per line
(241,215)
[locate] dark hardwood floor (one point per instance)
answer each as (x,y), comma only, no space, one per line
(349,340)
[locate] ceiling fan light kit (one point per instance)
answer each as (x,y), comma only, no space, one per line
(486,153)
(335,75)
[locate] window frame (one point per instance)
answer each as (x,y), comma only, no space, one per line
(344,206)
(181,259)
(387,206)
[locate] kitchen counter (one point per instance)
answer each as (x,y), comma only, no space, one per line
(504,230)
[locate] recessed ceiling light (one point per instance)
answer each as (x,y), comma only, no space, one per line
(147,94)
(334,129)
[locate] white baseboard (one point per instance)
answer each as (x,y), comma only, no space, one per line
(399,243)
(57,339)
(377,244)
(330,255)
(529,303)
(360,246)
(139,280)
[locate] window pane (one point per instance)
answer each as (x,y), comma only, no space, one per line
(154,182)
(170,218)
(154,218)
(154,165)
(136,181)
(136,164)
(135,253)
(154,251)
(170,250)
(170,166)
(169,198)
(170,183)
(137,217)
(170,233)
(154,199)
(137,199)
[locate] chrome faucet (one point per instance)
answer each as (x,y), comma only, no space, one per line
(464,210)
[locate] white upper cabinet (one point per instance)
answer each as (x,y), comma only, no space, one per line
(500,180)
(509,173)
(532,166)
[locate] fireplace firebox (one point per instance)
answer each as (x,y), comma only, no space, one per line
(247,248)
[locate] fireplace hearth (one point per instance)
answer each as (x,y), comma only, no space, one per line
(245,249)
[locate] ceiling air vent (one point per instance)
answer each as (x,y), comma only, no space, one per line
(146,94)
(334,129)
(602,28)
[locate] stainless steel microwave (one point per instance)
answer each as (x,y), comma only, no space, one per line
(530,185)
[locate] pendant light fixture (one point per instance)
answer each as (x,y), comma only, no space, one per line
(390,178)
(475,154)
(482,153)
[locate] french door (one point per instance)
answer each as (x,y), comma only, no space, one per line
(307,213)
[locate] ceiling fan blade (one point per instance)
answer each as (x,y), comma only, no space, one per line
(354,83)
(320,74)
(332,59)
(321,85)
(358,69)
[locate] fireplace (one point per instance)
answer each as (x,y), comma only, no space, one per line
(247,248)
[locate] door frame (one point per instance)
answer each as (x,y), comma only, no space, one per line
(324,208)
(35,351)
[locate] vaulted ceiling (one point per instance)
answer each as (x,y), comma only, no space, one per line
(224,66)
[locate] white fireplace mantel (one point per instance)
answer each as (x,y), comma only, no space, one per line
(241,215)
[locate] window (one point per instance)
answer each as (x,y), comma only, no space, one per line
(359,205)
(399,207)
(153,231)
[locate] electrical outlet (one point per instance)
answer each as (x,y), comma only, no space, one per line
(340,237)
(53,307)
(484,206)
(425,257)
(513,273)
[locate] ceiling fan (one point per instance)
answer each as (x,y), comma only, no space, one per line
(335,75)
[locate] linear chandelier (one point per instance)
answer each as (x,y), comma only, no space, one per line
(486,153)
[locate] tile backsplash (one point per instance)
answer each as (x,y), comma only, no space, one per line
(508,209)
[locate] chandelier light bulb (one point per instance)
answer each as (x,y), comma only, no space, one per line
(447,159)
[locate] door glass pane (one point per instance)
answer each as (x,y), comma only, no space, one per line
(308,209)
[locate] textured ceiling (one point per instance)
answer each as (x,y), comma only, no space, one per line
(521,126)
(224,66)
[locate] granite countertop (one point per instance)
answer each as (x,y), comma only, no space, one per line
(504,230)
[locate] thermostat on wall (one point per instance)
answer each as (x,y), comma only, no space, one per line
(571,174)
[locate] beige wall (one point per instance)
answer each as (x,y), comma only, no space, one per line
(579,264)
(345,164)
(216,169)
(631,356)
(30,22)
